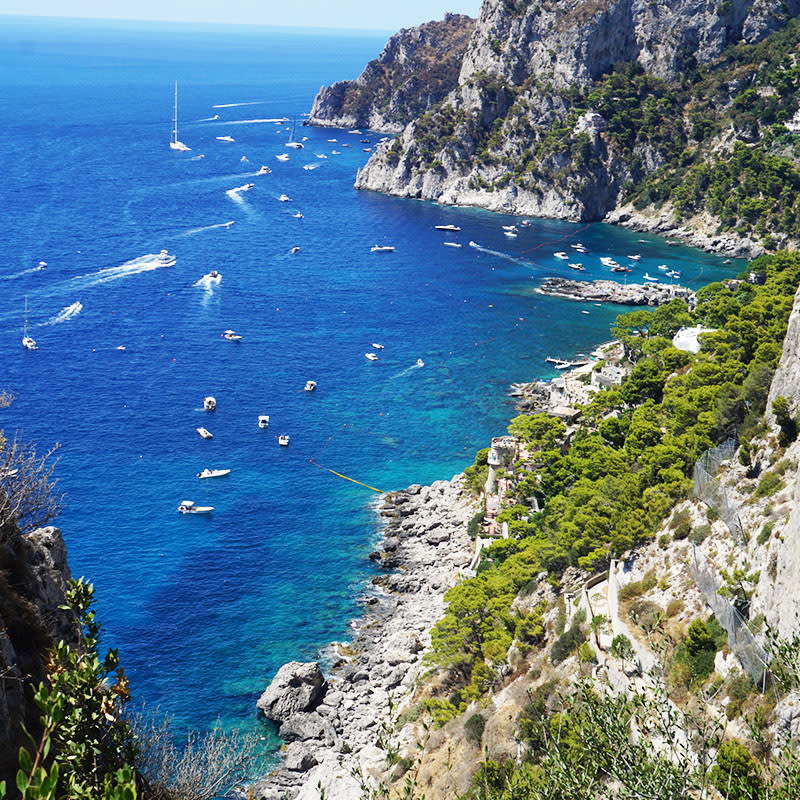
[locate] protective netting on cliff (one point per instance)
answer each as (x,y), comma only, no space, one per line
(711,490)
(740,638)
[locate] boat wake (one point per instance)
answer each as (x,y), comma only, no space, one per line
(135,266)
(253,121)
(21,274)
(235,105)
(208,282)
(407,370)
(193,231)
(65,315)
(311,166)
(521,261)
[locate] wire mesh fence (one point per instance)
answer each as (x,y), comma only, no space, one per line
(711,489)
(741,640)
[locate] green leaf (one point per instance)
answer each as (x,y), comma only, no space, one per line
(22,782)
(25,760)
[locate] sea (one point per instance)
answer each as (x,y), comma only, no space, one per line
(205,608)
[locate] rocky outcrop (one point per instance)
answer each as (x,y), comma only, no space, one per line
(487,143)
(295,688)
(416,69)
(426,541)
(33,578)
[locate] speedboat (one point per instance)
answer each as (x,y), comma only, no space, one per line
(166,258)
(335,152)
(333,140)
(584,312)
(577,246)
(356,131)
(607,261)
(231,336)
(295,145)
(295,249)
(512,235)
(282,156)
(377,346)
(650,278)
(453,228)
(28,342)
(263,420)
(211,277)
(367,149)
(209,403)
(206,434)
(42,265)
(635,257)
(298,215)
(381,248)
(265,170)
(451,244)
(321,155)
(579,267)
(225,138)
(663,267)
(188,507)
(213,473)
(511,228)
(283,439)
(370,356)
(619,268)
(310,386)
(561,255)
(284,198)
(420,362)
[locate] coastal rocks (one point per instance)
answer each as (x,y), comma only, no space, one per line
(416,69)
(601,291)
(378,669)
(295,688)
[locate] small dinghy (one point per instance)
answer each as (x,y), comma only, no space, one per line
(188,507)
(209,403)
(283,440)
(206,434)
(310,386)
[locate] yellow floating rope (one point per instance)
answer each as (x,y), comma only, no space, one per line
(339,474)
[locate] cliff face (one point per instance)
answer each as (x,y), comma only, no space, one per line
(33,578)
(533,126)
(416,69)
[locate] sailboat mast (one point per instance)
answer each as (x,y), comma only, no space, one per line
(175,116)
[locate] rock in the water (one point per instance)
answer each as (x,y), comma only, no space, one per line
(299,758)
(296,687)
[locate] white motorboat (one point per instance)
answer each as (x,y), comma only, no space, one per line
(451,244)
(210,278)
(295,145)
(650,278)
(635,257)
(577,246)
(607,261)
(41,265)
(28,342)
(310,386)
(204,433)
(174,142)
(336,152)
(333,140)
(321,155)
(663,267)
(420,362)
(263,420)
(283,440)
(619,268)
(298,215)
(453,228)
(213,473)
(282,156)
(295,249)
(356,131)
(511,228)
(381,248)
(264,170)
(209,404)
(561,255)
(584,312)
(377,346)
(166,259)
(231,336)
(188,507)
(309,167)
(577,266)
(225,139)
(367,149)
(511,235)
(673,273)
(370,356)
(284,198)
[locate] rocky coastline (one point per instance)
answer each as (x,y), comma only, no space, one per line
(335,726)
(602,291)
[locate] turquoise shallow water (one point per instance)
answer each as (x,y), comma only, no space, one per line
(204,610)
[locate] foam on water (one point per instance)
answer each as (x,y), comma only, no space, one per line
(193,231)
(136,266)
(65,315)
(235,105)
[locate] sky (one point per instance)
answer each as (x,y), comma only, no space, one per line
(376,15)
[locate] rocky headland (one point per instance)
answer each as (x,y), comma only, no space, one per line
(602,291)
(336,725)
(417,68)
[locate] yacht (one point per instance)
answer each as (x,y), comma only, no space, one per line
(321,155)
(293,144)
(370,356)
(284,198)
(231,336)
(451,244)
(512,228)
(283,439)
(607,261)
(298,215)
(663,267)
(561,255)
(175,143)
(263,420)
(209,404)
(265,170)
(356,131)
(310,386)
(577,246)
(635,257)
(335,152)
(213,473)
(577,266)
(381,248)
(377,346)
(453,228)
(225,139)
(28,342)
(619,268)
(204,433)
(295,249)
(282,156)
(650,278)
(188,507)
(333,140)
(673,273)
(166,259)
(210,278)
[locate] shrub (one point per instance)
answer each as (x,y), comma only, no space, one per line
(674,607)
(474,525)
(700,534)
(473,728)
(567,643)
(682,531)
(769,485)
(621,647)
(766,532)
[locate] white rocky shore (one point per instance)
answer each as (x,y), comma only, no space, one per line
(334,726)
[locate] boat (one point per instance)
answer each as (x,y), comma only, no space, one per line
(166,259)
(298,215)
(209,403)
(365,141)
(335,152)
(282,156)
(561,255)
(579,267)
(635,257)
(673,273)
(420,362)
(584,312)
(356,131)
(619,268)
(453,228)
(210,277)
(512,235)
(650,278)
(283,440)
(206,434)
(263,420)
(663,267)
(225,139)
(321,155)
(377,346)
(174,142)
(41,265)
(577,246)
(284,198)
(512,228)
(607,261)
(333,140)
(28,342)
(345,144)
(370,356)
(451,244)
(310,386)
(188,507)
(381,248)
(291,143)
(264,170)
(526,223)
(367,149)
(295,249)
(231,336)
(213,473)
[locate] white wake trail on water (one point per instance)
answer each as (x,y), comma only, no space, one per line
(193,231)
(20,274)
(135,266)
(65,315)
(506,256)
(234,105)
(407,371)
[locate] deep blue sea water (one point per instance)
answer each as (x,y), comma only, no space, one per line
(204,609)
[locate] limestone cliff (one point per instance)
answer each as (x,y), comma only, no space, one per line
(562,106)
(416,69)
(33,577)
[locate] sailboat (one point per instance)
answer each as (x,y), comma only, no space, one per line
(175,144)
(28,342)
(292,143)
